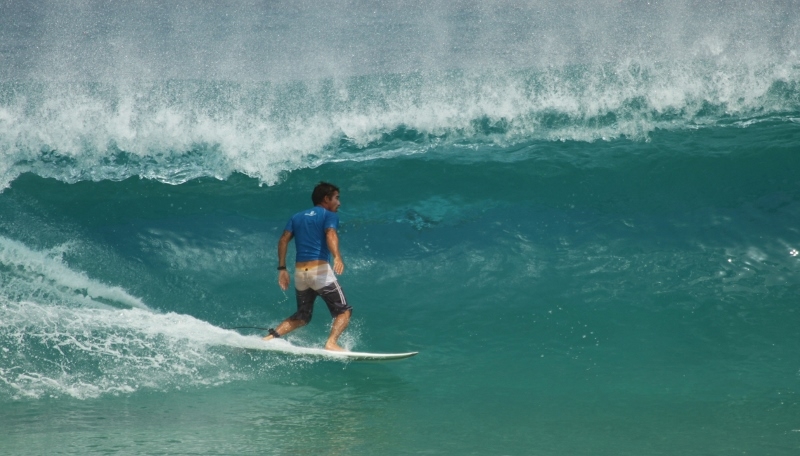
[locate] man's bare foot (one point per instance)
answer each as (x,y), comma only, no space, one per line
(268,337)
(333,347)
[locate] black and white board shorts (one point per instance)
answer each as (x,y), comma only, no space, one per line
(317,281)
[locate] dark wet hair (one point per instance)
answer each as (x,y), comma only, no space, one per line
(322,190)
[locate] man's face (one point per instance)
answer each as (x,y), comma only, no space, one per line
(332,203)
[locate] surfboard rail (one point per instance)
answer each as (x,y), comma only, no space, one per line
(285,347)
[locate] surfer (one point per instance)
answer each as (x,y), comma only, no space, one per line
(316,241)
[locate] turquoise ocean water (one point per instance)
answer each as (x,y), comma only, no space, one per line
(583,215)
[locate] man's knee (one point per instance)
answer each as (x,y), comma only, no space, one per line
(302,317)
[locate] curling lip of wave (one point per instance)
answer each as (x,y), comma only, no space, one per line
(176,131)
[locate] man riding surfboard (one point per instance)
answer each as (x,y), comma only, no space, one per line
(316,242)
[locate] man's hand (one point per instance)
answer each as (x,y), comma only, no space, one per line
(283,279)
(338,265)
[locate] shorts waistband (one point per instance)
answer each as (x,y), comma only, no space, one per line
(313,268)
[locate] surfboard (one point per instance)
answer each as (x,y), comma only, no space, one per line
(283,346)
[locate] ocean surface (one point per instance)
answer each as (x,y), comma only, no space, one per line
(585,216)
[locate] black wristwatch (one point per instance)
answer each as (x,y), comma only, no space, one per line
(281,268)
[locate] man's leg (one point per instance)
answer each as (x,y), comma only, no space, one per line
(286,327)
(305,308)
(337,328)
(334,298)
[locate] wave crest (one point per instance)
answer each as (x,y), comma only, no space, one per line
(176,131)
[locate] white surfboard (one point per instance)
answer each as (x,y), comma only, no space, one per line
(283,346)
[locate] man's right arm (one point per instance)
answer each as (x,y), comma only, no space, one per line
(283,247)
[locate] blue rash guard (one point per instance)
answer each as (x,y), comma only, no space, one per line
(308,228)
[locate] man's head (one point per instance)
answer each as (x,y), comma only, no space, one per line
(326,195)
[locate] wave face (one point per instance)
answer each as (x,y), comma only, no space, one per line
(583,217)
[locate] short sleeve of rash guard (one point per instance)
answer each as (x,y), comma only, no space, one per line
(331,221)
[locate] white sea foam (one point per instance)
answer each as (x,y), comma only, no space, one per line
(84,353)
(287,87)
(64,333)
(176,131)
(33,273)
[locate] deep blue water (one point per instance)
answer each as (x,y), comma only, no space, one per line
(584,217)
